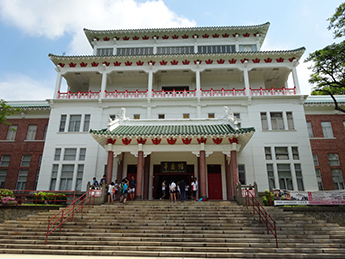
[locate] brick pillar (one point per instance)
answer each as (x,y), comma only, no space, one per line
(228,179)
(234,173)
(110,166)
(146,177)
(202,174)
(139,192)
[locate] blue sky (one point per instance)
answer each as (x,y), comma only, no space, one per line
(32,29)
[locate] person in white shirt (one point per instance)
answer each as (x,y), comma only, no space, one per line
(163,190)
(172,191)
(194,188)
(110,193)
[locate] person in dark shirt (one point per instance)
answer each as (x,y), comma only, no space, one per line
(103,180)
(183,190)
(132,185)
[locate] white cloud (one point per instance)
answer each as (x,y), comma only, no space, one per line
(21,87)
(55,18)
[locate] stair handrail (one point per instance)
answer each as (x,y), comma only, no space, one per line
(68,212)
(263,214)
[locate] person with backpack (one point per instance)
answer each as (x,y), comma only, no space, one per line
(124,192)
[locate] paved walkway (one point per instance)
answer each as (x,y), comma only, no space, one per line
(33,256)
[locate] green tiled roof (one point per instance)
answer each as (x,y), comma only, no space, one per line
(173,130)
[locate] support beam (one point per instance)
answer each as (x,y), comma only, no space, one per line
(202,174)
(139,192)
(234,173)
(110,166)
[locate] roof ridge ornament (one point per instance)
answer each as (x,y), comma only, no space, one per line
(229,116)
(119,119)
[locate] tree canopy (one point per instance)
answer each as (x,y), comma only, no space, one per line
(337,22)
(6,110)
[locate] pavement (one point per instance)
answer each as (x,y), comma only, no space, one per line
(34,256)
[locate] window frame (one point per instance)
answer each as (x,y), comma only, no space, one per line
(11,133)
(74,123)
(25,161)
(31,133)
(70,154)
(327,129)
(4,162)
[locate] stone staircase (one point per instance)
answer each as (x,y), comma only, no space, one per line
(160,229)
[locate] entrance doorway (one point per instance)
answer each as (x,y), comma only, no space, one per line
(159,177)
(132,171)
(214,179)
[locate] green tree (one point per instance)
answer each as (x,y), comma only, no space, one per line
(6,110)
(328,64)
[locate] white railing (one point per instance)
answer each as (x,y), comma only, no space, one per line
(173,94)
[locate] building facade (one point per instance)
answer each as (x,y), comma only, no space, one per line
(178,103)
(326,128)
(22,145)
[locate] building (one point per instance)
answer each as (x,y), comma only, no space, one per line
(178,103)
(326,128)
(22,144)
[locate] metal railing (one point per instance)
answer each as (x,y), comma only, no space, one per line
(62,216)
(263,214)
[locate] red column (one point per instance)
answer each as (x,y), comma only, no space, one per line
(110,166)
(139,192)
(146,177)
(202,174)
(120,168)
(228,179)
(234,172)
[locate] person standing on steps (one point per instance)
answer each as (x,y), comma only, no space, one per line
(125,190)
(172,190)
(116,190)
(132,185)
(194,185)
(110,193)
(183,190)
(163,190)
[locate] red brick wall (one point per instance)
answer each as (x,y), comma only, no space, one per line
(322,146)
(20,147)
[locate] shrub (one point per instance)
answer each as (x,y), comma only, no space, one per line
(266,199)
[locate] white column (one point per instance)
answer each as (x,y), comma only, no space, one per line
(58,178)
(246,80)
(237,46)
(58,81)
(295,77)
(104,84)
(197,83)
(149,85)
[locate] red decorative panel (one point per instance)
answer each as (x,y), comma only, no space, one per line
(202,140)
(95,38)
(205,36)
(140,63)
(198,60)
(246,35)
(125,38)
(280,60)
(244,60)
(217,141)
(256,60)
(233,140)
(106,39)
(165,37)
(216,35)
(141,141)
(117,38)
(61,65)
(226,35)
(232,61)
(152,62)
(171,141)
(145,38)
(174,62)
(106,63)
(292,59)
(268,60)
(163,62)
(82,64)
(126,141)
(185,62)
(117,64)
(257,34)
(127,63)
(94,64)
(185,36)
(135,38)
(234,35)
(187,140)
(221,61)
(175,37)
(72,64)
(111,141)
(156,141)
(209,61)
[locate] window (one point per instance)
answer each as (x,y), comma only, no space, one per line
(62,123)
(134,51)
(186,115)
(82,154)
(26,159)
(270,176)
(241,174)
(284,175)
(74,123)
(338,180)
(57,154)
(54,177)
(21,181)
(281,153)
(70,154)
(66,177)
(136,116)
(327,129)
(319,179)
(31,134)
(104,52)
(333,159)
(316,160)
(161,116)
(216,49)
(290,123)
(295,154)
(5,160)
(86,123)
(175,50)
(211,116)
(310,129)
(299,178)
(277,121)
(247,47)
(264,123)
(3,173)
(11,133)
(268,153)
(79,177)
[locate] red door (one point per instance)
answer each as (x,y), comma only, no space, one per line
(214,179)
